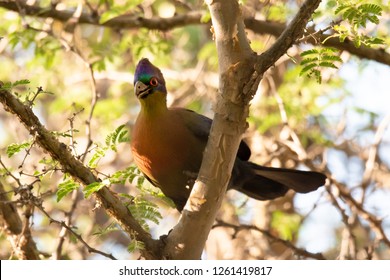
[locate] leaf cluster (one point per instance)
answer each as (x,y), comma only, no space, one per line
(359,15)
(315,60)
(356,15)
(119,135)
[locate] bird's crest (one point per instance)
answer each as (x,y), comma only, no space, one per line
(145,70)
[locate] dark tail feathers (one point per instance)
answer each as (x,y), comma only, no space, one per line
(270,183)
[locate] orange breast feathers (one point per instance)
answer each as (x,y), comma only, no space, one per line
(163,149)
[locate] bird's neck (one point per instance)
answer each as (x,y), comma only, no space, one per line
(154,106)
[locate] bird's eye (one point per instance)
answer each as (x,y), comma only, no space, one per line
(153,82)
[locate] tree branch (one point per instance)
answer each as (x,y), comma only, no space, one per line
(17,231)
(375,223)
(296,250)
(373,151)
(193,18)
(121,22)
(60,152)
(289,36)
(78,236)
(276,29)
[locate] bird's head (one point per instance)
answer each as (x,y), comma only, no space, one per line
(149,83)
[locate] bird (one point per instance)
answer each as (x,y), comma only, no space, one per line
(167,145)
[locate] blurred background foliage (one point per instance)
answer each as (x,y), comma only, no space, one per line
(79,81)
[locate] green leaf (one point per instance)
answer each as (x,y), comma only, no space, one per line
(131,174)
(331,4)
(120,135)
(7,86)
(316,59)
(357,42)
(286,225)
(99,153)
(359,15)
(119,10)
(309,60)
(371,9)
(21,82)
(340,8)
(343,37)
(50,162)
(15,148)
(332,58)
(143,211)
(127,196)
(318,76)
(205,17)
(110,228)
(92,188)
(106,16)
(350,14)
(65,188)
(135,245)
(309,52)
(307,68)
(376,41)
(327,64)
(340,28)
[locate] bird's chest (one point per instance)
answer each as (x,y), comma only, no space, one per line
(165,150)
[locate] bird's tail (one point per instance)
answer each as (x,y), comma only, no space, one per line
(269,183)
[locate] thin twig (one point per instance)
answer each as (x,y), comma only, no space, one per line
(296,250)
(375,223)
(94,100)
(78,236)
(372,154)
(296,144)
(348,244)
(69,215)
(9,173)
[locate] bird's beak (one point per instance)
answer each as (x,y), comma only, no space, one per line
(141,90)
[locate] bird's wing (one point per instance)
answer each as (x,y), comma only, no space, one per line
(200,126)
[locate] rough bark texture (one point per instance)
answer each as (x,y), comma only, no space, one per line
(18,232)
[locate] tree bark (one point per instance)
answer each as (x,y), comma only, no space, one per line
(18,232)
